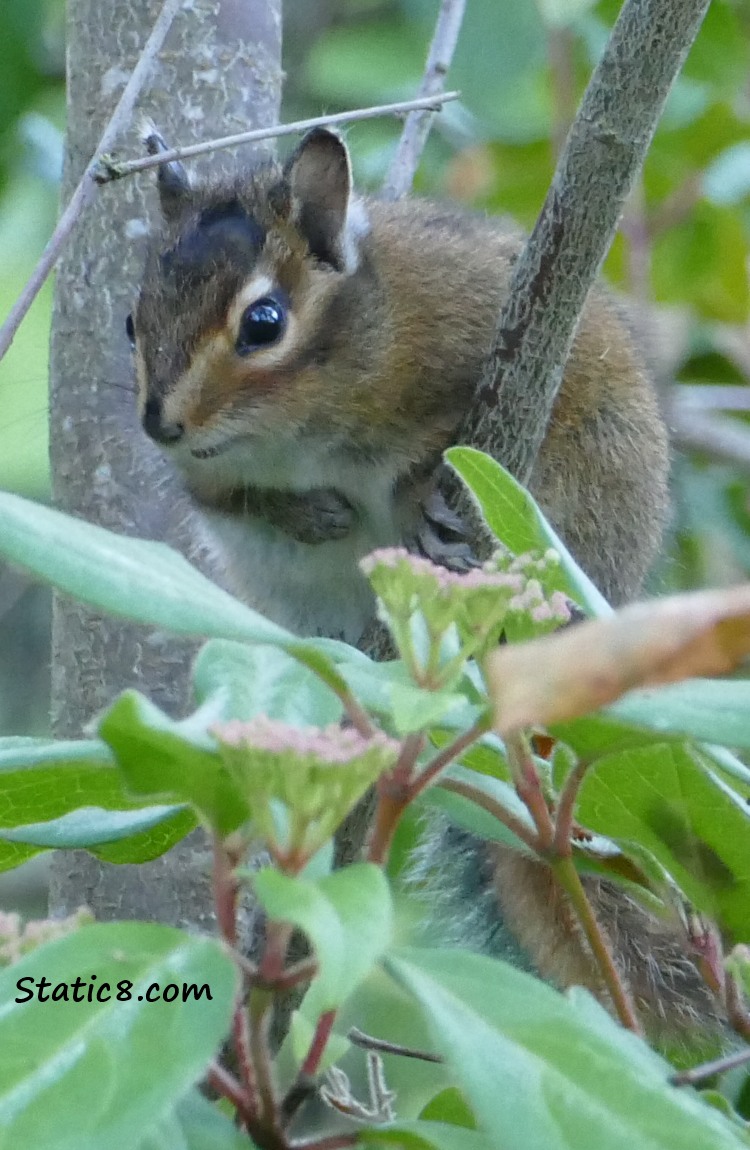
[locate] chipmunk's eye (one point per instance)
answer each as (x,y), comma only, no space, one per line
(262,323)
(130,330)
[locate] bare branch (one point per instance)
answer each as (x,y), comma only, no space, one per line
(84,193)
(417,127)
(603,154)
(109,170)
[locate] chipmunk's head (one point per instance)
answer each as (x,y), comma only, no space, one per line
(243,299)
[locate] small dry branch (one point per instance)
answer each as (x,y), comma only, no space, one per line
(109,170)
(86,188)
(417,127)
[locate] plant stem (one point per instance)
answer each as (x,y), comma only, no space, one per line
(260,1007)
(529,788)
(319,1042)
(394,792)
(225,901)
(566,810)
(226,1085)
(566,874)
(509,820)
(447,755)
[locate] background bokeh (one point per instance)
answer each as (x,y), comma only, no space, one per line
(682,252)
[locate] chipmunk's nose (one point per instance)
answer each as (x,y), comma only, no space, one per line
(156,428)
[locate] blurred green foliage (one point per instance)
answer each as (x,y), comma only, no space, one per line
(522,66)
(31,119)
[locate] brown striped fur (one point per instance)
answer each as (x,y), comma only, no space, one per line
(391,313)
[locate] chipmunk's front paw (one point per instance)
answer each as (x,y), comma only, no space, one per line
(318,516)
(443,537)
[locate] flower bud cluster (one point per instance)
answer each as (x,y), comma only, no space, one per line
(301,782)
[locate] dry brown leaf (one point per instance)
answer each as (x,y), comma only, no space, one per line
(644,645)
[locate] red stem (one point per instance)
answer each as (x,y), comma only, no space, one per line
(317,1046)
(228,1087)
(566,809)
(529,788)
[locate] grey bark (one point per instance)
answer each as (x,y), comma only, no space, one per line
(606,146)
(218,73)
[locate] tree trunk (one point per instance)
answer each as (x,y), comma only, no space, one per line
(218,73)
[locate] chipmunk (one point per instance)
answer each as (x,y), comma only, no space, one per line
(304,355)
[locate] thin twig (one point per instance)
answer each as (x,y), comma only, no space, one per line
(86,189)
(367,1042)
(108,170)
(698,1074)
(418,124)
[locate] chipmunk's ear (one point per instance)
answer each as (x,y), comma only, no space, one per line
(320,178)
(172,179)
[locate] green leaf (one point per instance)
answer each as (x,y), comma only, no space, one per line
(84,1075)
(643,718)
(385,689)
(486,757)
(449,1106)
(174,761)
(93,827)
(380,62)
(347,916)
(727,179)
(540,1069)
(515,518)
(711,710)
(663,798)
(196,1124)
(471,817)
(425,1135)
(499,65)
(262,681)
(42,781)
(135,578)
(703,261)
